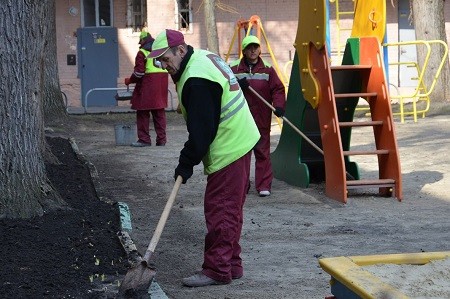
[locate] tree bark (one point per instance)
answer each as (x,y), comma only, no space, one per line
(54,106)
(211,26)
(429,24)
(25,190)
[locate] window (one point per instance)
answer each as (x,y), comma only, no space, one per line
(184,15)
(96,13)
(137,15)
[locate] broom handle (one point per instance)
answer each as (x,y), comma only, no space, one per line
(287,121)
(162,220)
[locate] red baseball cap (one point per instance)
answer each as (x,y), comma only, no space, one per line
(166,40)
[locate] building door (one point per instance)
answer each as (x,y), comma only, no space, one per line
(407,53)
(98,53)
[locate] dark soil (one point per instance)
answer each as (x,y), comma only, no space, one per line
(71,253)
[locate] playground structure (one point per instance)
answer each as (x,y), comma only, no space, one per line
(322,100)
(416,92)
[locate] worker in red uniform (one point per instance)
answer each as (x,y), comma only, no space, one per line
(222,133)
(253,71)
(149,95)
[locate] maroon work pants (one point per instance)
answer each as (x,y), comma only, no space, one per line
(225,195)
(143,125)
(263,165)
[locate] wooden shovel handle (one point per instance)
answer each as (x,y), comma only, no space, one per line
(162,220)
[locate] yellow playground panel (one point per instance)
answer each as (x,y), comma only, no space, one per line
(311,14)
(370,19)
(349,279)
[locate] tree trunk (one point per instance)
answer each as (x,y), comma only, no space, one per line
(54,106)
(429,24)
(24,187)
(211,26)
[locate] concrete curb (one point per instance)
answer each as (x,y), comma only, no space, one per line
(128,245)
(134,257)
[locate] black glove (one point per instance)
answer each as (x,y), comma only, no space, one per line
(184,171)
(279,111)
(243,83)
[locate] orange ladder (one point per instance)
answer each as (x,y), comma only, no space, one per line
(360,76)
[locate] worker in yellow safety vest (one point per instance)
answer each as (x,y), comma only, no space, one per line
(149,95)
(222,133)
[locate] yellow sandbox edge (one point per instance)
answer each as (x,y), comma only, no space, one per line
(348,271)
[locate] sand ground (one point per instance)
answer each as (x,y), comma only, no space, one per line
(285,234)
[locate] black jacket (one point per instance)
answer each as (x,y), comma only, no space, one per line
(202,100)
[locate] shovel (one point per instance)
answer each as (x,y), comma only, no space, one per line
(348,175)
(138,279)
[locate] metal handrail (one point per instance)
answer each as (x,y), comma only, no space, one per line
(120,88)
(418,94)
(100,89)
(414,95)
(441,65)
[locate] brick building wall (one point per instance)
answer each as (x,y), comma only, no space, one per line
(279,20)
(66,28)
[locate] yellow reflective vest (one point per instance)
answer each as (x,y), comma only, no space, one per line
(237,133)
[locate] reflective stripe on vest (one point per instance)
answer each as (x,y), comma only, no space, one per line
(256,76)
(224,115)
